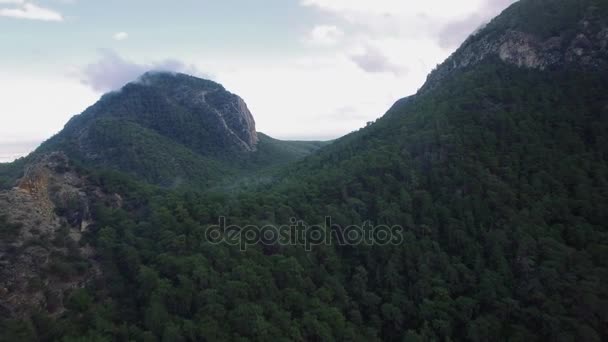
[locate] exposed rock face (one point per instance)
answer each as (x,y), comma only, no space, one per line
(42,221)
(239,122)
(587,48)
(226,113)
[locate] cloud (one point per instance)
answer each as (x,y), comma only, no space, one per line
(325,35)
(455,32)
(111,71)
(27,10)
(394,8)
(374,61)
(120,36)
(384,36)
(323,88)
(384,51)
(446,22)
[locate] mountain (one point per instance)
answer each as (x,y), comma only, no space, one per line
(538,34)
(496,170)
(171,129)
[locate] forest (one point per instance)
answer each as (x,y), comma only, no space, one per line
(499,177)
(497,173)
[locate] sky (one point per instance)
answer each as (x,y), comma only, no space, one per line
(307,69)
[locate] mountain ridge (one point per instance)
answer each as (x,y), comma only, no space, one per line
(497,173)
(537,34)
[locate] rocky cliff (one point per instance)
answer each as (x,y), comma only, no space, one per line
(226,112)
(540,43)
(42,221)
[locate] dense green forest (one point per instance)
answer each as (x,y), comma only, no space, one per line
(9,172)
(499,177)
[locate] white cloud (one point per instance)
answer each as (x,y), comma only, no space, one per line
(447,22)
(373,60)
(27,10)
(384,51)
(315,97)
(112,71)
(325,35)
(120,36)
(387,8)
(455,32)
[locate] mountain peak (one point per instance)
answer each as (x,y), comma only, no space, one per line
(228,111)
(192,110)
(167,118)
(537,34)
(169,78)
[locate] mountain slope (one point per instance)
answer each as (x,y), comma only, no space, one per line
(172,129)
(538,34)
(44,259)
(497,171)
(499,178)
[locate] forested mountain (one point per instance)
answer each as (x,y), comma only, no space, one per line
(497,170)
(171,130)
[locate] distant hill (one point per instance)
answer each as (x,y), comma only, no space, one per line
(172,129)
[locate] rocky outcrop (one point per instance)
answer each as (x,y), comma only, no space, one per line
(233,119)
(224,113)
(42,221)
(240,123)
(586,47)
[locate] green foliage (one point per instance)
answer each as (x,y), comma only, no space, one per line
(8,230)
(79,301)
(10,172)
(151,132)
(547,18)
(499,176)
(17,330)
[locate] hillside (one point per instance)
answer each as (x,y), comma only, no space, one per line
(499,176)
(171,130)
(538,34)
(496,170)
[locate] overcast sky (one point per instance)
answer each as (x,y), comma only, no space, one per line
(308,69)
